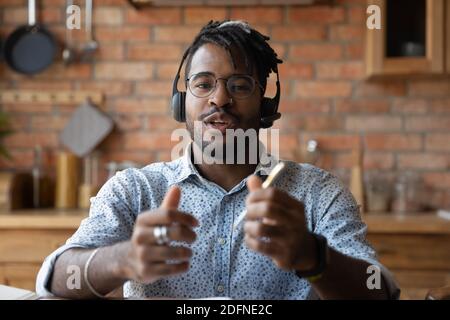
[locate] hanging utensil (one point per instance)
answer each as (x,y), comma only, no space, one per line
(91,46)
(30,48)
(69,53)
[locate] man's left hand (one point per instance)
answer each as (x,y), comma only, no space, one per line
(275,226)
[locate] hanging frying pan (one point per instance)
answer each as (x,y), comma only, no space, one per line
(30,48)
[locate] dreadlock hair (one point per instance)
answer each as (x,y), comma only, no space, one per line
(251,45)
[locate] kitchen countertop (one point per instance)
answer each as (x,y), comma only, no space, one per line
(424,223)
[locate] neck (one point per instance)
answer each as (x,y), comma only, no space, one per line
(225,175)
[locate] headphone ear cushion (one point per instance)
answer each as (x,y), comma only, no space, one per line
(268,110)
(178,108)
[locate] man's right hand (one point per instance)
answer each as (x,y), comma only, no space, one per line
(146,261)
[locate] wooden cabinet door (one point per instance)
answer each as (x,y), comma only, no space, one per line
(433,62)
(21,275)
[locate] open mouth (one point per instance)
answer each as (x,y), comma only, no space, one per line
(219,122)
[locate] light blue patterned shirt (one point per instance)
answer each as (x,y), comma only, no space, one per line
(221,265)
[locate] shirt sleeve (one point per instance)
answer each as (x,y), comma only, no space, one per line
(339,220)
(111,220)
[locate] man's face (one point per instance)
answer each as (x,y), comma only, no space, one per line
(215,111)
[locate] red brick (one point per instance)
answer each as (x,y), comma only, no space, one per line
(322,123)
(110,88)
(123,71)
(378,160)
(153,16)
(21,159)
(115,34)
(175,34)
(296,70)
(357,15)
(437,180)
(201,15)
(440,105)
(111,16)
(393,141)
(154,52)
(141,157)
(362,106)
(263,15)
(41,85)
(51,15)
(430,88)
(437,142)
(142,105)
(298,33)
(110,52)
(29,140)
(166,122)
(128,122)
(384,89)
(15,15)
(59,71)
(46,123)
(425,161)
(27,107)
(304,106)
(323,89)
(354,51)
(316,14)
(332,141)
(347,32)
(373,123)
(316,51)
(167,71)
(148,141)
(340,70)
(411,106)
(428,123)
(156,88)
(383,161)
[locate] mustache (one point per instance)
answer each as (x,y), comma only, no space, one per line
(220,111)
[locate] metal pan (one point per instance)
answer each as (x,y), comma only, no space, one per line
(30,48)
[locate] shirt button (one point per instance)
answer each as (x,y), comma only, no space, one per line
(220,288)
(221,241)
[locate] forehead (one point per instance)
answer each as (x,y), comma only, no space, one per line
(215,59)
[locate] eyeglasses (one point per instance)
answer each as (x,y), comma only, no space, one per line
(239,86)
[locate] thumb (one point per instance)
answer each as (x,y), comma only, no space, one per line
(254,183)
(172,198)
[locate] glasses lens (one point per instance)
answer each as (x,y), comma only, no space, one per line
(202,85)
(240,86)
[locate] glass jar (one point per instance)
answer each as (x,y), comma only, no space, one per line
(407,193)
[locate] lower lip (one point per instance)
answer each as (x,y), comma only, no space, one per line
(221,127)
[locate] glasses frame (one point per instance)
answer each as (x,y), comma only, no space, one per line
(253,81)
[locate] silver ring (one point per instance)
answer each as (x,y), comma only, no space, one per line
(231,100)
(161,235)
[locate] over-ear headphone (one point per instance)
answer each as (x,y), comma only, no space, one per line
(269,106)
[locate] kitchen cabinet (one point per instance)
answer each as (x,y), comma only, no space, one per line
(416,248)
(27,237)
(411,39)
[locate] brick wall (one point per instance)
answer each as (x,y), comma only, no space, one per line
(403,124)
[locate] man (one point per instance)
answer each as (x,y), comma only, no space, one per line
(167,229)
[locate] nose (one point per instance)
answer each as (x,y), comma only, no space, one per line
(220,97)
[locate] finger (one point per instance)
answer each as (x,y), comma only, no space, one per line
(275,213)
(163,253)
(258,229)
(172,198)
(166,217)
(270,249)
(144,235)
(254,183)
